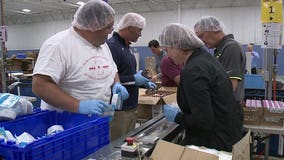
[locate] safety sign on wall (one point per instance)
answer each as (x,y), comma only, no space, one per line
(3,33)
(272,35)
(271,11)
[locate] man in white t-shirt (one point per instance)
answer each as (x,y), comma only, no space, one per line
(75,70)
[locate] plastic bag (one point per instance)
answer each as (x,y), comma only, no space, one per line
(12,106)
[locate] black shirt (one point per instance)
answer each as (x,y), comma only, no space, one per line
(205,96)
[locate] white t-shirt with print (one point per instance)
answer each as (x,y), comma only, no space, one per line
(80,69)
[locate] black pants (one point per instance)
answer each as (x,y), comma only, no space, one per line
(253,70)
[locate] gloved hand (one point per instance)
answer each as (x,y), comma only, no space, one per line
(151,85)
(119,89)
(139,79)
(96,107)
(170,112)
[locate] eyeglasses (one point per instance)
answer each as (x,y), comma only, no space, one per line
(200,34)
(136,30)
(109,27)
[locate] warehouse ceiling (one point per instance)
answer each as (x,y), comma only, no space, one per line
(55,10)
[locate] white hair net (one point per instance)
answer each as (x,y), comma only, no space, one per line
(209,23)
(93,15)
(131,19)
(179,36)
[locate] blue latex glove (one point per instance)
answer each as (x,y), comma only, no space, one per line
(96,107)
(151,85)
(119,89)
(170,112)
(140,79)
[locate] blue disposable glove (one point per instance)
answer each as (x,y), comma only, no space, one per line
(96,107)
(170,112)
(140,79)
(151,85)
(119,89)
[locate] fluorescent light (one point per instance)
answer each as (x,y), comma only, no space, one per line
(80,3)
(26,10)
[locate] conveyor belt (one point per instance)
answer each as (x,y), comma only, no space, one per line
(158,126)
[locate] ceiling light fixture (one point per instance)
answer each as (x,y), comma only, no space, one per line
(80,3)
(26,10)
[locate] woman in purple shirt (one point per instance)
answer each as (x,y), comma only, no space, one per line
(170,72)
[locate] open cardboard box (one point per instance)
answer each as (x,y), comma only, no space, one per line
(149,106)
(150,100)
(169,151)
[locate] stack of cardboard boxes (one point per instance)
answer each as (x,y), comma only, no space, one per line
(264,112)
(253,112)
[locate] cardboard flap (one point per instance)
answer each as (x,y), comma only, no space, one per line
(241,150)
(149,100)
(168,89)
(170,98)
(167,151)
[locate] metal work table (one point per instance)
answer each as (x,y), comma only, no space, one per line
(267,130)
(158,126)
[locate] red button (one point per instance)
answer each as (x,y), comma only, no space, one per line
(129,141)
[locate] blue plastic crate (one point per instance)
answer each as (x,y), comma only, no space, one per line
(254,81)
(21,56)
(82,135)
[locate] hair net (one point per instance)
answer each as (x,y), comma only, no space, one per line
(93,15)
(209,23)
(131,19)
(179,36)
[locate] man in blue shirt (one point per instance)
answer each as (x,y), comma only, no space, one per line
(159,54)
(254,58)
(129,30)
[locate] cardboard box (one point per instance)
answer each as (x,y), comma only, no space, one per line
(169,151)
(253,107)
(150,100)
(252,119)
(148,111)
(253,112)
(272,121)
(149,106)
(273,108)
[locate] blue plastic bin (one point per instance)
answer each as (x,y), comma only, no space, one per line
(82,135)
(254,81)
(21,56)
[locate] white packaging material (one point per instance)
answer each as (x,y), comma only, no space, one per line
(116,102)
(7,114)
(54,129)
(12,106)
(25,138)
(109,111)
(221,154)
(9,136)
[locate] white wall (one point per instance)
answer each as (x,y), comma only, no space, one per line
(31,36)
(243,22)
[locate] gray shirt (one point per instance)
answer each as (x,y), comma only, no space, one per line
(231,55)
(158,59)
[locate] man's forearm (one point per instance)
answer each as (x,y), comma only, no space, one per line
(48,91)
